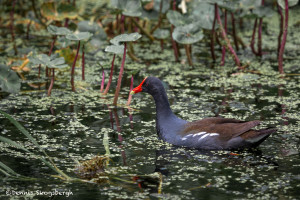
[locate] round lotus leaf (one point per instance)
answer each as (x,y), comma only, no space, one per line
(67,10)
(59,12)
(96,42)
(188,34)
(57,63)
(234,5)
(178,19)
(63,42)
(40,59)
(119,4)
(204,13)
(229,5)
(79,36)
(125,38)
(116,49)
(9,80)
(51,62)
(161,33)
(87,26)
(247,14)
(133,8)
(150,15)
(48,9)
(291,3)
(257,12)
(263,11)
(54,30)
(248,4)
(99,33)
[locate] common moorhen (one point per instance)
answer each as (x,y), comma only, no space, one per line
(213,133)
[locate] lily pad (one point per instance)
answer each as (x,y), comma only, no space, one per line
(248,4)
(205,14)
(125,38)
(263,11)
(291,3)
(99,35)
(178,19)
(119,4)
(79,36)
(116,49)
(59,12)
(234,5)
(87,26)
(64,42)
(132,8)
(51,62)
(9,80)
(229,5)
(54,30)
(188,34)
(96,42)
(161,33)
(150,15)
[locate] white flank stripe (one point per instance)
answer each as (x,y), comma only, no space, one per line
(204,136)
(208,134)
(198,134)
(185,137)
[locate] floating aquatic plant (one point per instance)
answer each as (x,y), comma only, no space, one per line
(9,80)
(81,36)
(187,35)
(49,163)
(116,41)
(161,34)
(58,12)
(53,62)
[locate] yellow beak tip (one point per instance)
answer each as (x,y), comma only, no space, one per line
(132,92)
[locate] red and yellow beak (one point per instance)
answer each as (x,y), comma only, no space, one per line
(138,88)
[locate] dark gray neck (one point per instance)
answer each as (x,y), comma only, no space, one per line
(167,123)
(163,110)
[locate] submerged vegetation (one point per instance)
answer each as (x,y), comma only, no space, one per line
(67,69)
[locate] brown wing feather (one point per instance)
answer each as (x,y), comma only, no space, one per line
(226,128)
(254,133)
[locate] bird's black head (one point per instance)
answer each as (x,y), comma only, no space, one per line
(151,85)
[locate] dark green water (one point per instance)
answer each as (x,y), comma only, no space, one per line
(79,126)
